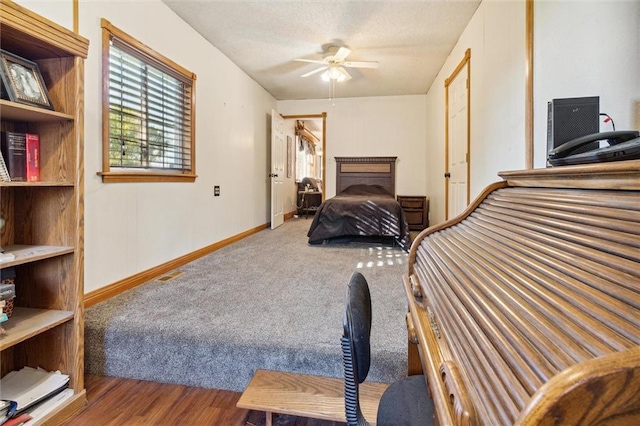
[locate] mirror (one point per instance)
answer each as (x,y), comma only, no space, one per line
(308,149)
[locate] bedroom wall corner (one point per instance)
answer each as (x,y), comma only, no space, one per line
(496,37)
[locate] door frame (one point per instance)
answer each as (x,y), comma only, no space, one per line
(322,115)
(466,60)
(277,169)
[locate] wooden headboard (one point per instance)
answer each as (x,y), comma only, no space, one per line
(366,170)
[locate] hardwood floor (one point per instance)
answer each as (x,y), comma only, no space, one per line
(117,401)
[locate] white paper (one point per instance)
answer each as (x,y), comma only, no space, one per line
(29,385)
(44,408)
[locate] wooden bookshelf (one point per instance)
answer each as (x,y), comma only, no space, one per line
(44,220)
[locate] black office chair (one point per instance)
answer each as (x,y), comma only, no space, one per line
(405,402)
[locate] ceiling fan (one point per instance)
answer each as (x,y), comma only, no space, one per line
(334,64)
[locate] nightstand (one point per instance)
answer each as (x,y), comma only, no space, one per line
(416,210)
(309,201)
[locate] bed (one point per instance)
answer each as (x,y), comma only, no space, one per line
(365,205)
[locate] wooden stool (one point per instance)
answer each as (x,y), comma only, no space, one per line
(306,396)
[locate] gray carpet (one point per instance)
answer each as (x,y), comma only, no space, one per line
(270,301)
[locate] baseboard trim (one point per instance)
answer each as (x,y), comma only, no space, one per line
(289,215)
(125,284)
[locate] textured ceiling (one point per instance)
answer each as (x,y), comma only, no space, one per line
(409,40)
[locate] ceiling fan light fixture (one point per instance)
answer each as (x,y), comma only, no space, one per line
(333,74)
(334,63)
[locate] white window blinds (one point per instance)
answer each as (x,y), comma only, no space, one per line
(149,112)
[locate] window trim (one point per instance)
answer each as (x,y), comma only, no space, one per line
(128,175)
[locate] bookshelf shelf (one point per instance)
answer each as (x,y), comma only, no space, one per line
(18,112)
(26,254)
(37,184)
(44,227)
(71,406)
(28,322)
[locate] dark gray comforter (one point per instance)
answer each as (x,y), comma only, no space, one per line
(360,210)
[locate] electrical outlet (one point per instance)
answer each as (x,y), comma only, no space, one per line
(216,191)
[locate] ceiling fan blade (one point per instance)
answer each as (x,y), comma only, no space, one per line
(352,64)
(341,54)
(313,61)
(317,70)
(344,72)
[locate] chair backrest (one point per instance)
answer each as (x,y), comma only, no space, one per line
(314,183)
(356,350)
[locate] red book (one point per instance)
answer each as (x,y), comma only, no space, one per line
(33,157)
(17,421)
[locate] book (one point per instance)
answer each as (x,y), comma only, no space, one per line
(18,421)
(8,275)
(4,172)
(13,146)
(32,142)
(4,407)
(7,410)
(7,291)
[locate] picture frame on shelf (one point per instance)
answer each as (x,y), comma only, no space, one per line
(22,81)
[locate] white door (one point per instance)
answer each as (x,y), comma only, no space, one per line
(278,155)
(458,144)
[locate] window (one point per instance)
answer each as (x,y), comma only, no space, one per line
(148,113)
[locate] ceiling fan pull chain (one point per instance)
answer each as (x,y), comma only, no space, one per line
(332,91)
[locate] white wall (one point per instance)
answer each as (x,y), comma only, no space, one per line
(132,227)
(496,38)
(587,48)
(375,126)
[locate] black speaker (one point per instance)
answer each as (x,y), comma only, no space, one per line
(570,118)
